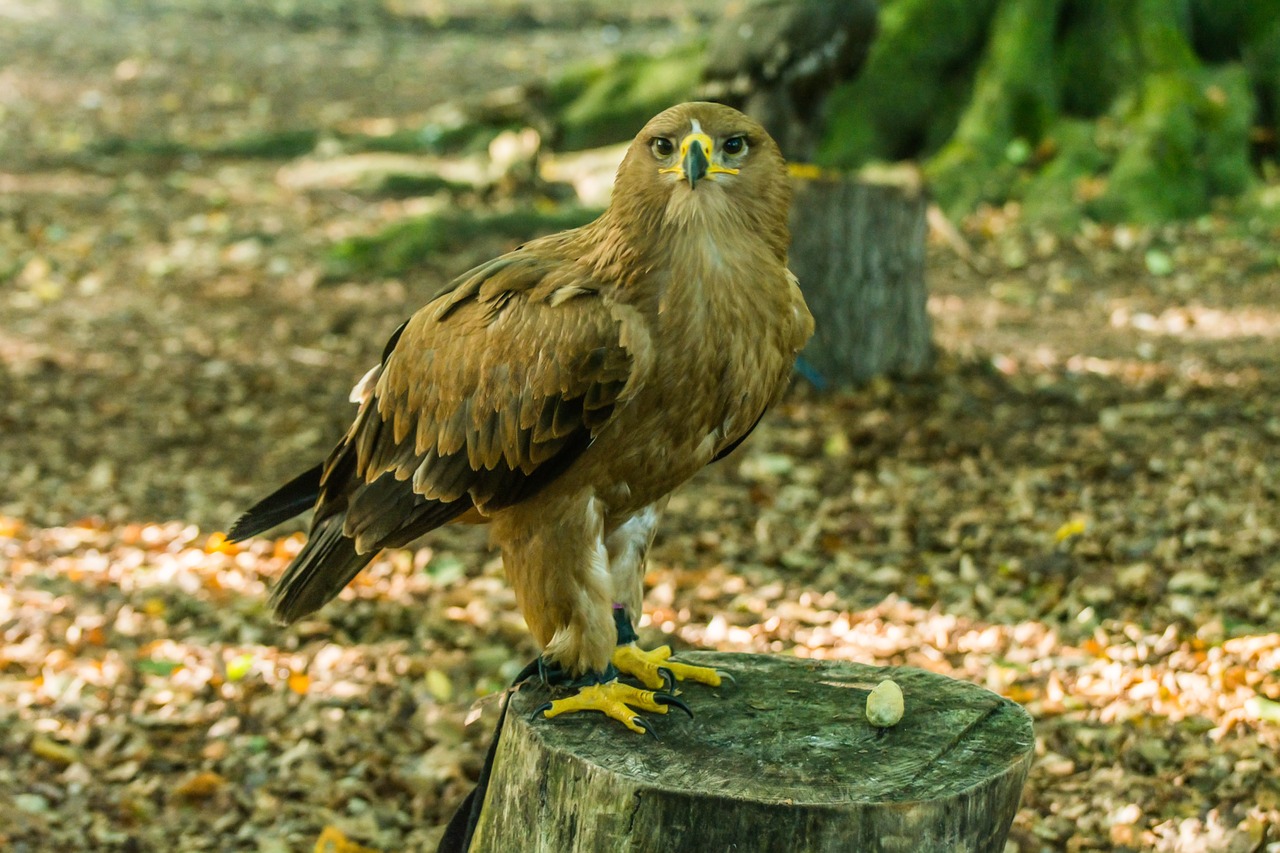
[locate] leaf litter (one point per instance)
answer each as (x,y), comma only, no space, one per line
(1077,509)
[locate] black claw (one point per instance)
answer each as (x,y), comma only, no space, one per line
(545,706)
(532,668)
(668,699)
(552,674)
(668,678)
(644,724)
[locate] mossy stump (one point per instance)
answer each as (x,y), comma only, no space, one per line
(783,760)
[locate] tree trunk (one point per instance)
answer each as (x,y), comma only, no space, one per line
(858,250)
(782,760)
(1137,111)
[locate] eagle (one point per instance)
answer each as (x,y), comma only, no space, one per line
(561,391)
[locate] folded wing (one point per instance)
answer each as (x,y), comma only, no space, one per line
(484,397)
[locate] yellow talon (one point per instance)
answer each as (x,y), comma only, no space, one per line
(613,699)
(646,666)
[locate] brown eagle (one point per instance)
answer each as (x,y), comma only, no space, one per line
(561,391)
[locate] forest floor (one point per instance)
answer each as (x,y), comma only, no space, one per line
(1077,509)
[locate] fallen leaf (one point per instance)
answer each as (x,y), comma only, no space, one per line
(51,750)
(239,666)
(1075,527)
(201,786)
(334,840)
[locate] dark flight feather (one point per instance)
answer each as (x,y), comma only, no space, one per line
(293,498)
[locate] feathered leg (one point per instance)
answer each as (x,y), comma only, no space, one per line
(628,546)
(561,577)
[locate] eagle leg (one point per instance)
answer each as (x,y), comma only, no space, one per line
(654,669)
(604,693)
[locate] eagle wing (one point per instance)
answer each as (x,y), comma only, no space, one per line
(483,398)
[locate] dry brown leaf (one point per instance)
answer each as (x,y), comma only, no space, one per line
(201,786)
(334,840)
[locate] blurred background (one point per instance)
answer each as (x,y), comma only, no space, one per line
(213,215)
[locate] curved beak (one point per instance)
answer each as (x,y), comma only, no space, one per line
(695,157)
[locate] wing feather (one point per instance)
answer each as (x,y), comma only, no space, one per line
(473,401)
(484,397)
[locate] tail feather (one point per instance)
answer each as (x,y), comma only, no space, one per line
(293,498)
(325,565)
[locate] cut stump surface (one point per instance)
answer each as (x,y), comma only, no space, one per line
(782,760)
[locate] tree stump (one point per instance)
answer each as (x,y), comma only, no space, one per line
(782,760)
(858,250)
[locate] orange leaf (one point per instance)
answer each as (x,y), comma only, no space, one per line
(218,544)
(299,682)
(333,840)
(1234,676)
(1021,693)
(200,786)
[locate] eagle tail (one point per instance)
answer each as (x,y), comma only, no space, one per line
(293,498)
(325,565)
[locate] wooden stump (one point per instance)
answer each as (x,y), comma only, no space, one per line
(783,760)
(858,250)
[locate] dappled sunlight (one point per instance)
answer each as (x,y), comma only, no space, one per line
(1198,322)
(1105,699)
(1115,671)
(164,625)
(70,183)
(1076,508)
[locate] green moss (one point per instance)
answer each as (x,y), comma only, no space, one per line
(916,79)
(1089,78)
(466,138)
(275,145)
(116,146)
(603,104)
(282,145)
(1051,195)
(1225,116)
(412,242)
(1183,134)
(1155,175)
(405,185)
(288,144)
(1167,133)
(1014,98)
(1075,107)
(1247,31)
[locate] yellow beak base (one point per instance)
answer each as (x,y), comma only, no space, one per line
(695,160)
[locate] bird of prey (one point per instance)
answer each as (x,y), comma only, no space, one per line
(561,391)
(777,60)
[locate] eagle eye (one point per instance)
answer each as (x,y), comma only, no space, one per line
(662,147)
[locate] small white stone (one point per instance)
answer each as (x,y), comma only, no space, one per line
(884,705)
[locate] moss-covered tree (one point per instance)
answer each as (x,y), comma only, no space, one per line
(1139,110)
